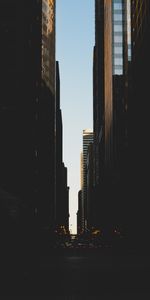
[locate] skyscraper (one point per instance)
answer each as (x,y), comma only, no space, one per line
(62,190)
(103,105)
(27,105)
(87,140)
(117,13)
(79,213)
(121,15)
(139,118)
(108,100)
(112,18)
(90,184)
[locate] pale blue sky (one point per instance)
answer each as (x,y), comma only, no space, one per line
(74,51)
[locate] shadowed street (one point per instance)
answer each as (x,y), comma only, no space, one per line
(70,275)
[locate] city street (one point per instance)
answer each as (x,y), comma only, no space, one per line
(74,150)
(97,275)
(70,275)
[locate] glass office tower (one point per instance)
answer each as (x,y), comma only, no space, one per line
(117,13)
(129,28)
(87,140)
(118,19)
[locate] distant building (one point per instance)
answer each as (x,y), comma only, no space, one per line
(87,140)
(79,213)
(90,185)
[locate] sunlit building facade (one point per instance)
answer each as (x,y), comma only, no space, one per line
(108,99)
(48,43)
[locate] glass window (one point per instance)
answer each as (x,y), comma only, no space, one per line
(118,67)
(118,45)
(129,54)
(118,61)
(118,28)
(117,5)
(118,50)
(118,72)
(118,39)
(117,23)
(117,17)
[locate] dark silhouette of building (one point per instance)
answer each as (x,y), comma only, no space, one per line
(27,106)
(79,213)
(87,140)
(64,219)
(139,117)
(103,110)
(62,190)
(90,184)
(112,32)
(118,189)
(59,150)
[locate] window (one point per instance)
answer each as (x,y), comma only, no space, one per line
(118,50)
(129,53)
(118,70)
(117,17)
(118,28)
(118,39)
(117,5)
(118,61)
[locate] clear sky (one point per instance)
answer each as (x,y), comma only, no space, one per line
(74,51)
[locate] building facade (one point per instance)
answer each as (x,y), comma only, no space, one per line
(62,189)
(139,117)
(79,213)
(90,184)
(87,140)
(112,38)
(27,105)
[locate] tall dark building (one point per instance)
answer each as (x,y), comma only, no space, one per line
(112,25)
(79,213)
(59,148)
(62,190)
(103,108)
(90,184)
(139,116)
(64,201)
(128,26)
(87,140)
(27,105)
